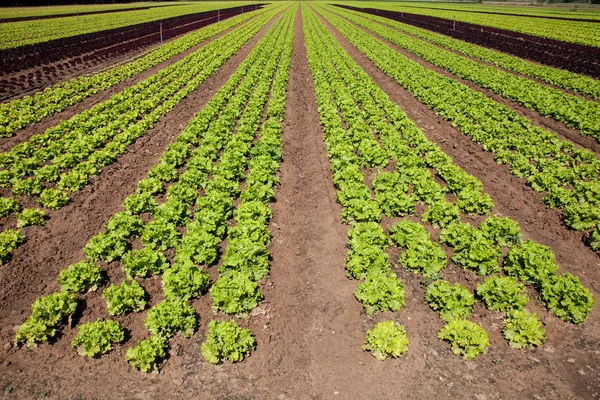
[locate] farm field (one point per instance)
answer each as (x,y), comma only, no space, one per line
(299,200)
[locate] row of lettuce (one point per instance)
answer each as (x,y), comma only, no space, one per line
(585,33)
(20,113)
(554,76)
(575,112)
(49,167)
(188,201)
(567,174)
(365,132)
(15,34)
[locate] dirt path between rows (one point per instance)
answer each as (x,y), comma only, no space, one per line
(56,369)
(533,116)
(569,364)
(48,122)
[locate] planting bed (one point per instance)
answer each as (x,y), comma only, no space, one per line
(291,204)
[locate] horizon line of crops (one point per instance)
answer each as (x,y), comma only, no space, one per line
(559,77)
(357,102)
(60,161)
(22,112)
(16,34)
(573,111)
(585,33)
(243,105)
(567,174)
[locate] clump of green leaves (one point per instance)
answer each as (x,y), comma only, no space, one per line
(184,282)
(522,328)
(95,338)
(105,246)
(479,254)
(466,338)
(9,240)
(8,206)
(124,225)
(140,203)
(452,301)
(530,262)
(124,298)
(503,293)
(81,277)
(426,257)
(502,231)
(380,291)
(31,216)
(386,339)
(235,293)
(46,313)
(147,354)
(169,317)
(441,213)
(366,234)
(160,235)
(566,297)
(144,262)
(362,259)
(54,199)
(226,340)
(406,233)
(198,247)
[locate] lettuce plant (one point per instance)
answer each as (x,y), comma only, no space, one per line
(170,317)
(144,262)
(530,262)
(147,354)
(522,328)
(226,340)
(81,277)
(184,282)
(380,291)
(235,293)
(502,293)
(386,339)
(566,297)
(467,339)
(31,216)
(452,301)
(124,298)
(96,338)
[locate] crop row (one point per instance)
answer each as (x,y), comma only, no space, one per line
(521,11)
(554,76)
(569,56)
(364,130)
(585,33)
(20,113)
(193,220)
(550,164)
(573,111)
(63,158)
(17,34)
(105,45)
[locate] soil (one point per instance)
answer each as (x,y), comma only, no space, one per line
(310,328)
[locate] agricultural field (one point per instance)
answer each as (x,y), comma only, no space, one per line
(299,200)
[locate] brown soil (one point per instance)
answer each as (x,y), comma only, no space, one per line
(536,118)
(309,328)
